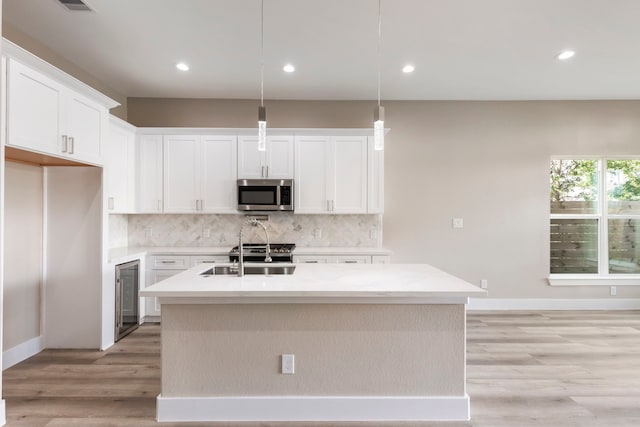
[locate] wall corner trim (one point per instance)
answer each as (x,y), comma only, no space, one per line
(22,352)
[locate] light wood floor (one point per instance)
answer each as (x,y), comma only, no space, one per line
(551,369)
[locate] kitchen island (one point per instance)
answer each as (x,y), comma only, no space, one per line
(371,343)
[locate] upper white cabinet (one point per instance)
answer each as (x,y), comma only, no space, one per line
(276,162)
(149,174)
(375,179)
(200,174)
(47,117)
(331,174)
(119,168)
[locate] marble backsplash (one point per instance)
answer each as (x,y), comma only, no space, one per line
(118,230)
(222,230)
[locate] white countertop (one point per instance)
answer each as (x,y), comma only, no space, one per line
(125,253)
(319,283)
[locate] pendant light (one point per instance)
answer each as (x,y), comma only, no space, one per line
(262,112)
(378,112)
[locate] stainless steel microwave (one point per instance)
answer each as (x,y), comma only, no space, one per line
(265,195)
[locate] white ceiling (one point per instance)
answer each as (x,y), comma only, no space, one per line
(462,49)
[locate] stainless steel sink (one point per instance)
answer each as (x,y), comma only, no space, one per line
(266,270)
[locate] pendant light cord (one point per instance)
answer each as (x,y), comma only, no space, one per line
(262,53)
(379,37)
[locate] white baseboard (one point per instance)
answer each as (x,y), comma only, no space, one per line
(553,304)
(22,352)
(3,416)
(313,408)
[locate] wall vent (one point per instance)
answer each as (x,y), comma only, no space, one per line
(75,5)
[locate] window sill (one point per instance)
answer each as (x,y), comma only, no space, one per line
(594,280)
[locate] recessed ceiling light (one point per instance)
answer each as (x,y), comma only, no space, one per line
(565,54)
(289,68)
(182,66)
(408,68)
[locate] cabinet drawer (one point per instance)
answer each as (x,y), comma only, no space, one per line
(209,259)
(170,262)
(310,259)
(354,259)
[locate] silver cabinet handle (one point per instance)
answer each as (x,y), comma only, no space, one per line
(208,262)
(201,204)
(167,262)
(350,261)
(111,202)
(159,205)
(262,173)
(333,205)
(65,144)
(267,172)
(71,145)
(311,262)
(328,206)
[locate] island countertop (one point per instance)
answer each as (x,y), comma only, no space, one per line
(318,283)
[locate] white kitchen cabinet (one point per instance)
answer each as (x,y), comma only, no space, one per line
(375,180)
(276,162)
(331,174)
(160,267)
(200,174)
(332,259)
(46,117)
(119,168)
(148,194)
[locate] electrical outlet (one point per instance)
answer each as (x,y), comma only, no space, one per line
(373,234)
(288,364)
(484,284)
(613,291)
(207,232)
(458,223)
(317,233)
(148,232)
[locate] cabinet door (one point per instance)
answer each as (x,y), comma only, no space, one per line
(313,157)
(149,174)
(33,99)
(219,171)
(350,169)
(279,157)
(250,160)
(152,305)
(181,172)
(119,169)
(375,179)
(84,123)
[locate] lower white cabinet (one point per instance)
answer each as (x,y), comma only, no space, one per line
(332,259)
(162,267)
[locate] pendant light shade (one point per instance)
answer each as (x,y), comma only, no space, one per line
(262,128)
(378,112)
(378,128)
(262,112)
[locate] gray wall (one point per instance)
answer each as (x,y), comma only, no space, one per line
(23,253)
(485,162)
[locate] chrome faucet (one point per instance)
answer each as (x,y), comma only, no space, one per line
(254,222)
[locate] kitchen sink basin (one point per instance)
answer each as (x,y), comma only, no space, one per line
(266,270)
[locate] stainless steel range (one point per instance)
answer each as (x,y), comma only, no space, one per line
(256,252)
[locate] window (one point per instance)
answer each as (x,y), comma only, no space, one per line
(595,216)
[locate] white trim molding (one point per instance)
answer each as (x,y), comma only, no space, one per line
(22,352)
(594,280)
(313,408)
(553,304)
(3,416)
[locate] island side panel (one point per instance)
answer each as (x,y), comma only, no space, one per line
(340,350)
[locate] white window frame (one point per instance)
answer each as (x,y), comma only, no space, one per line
(603,277)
